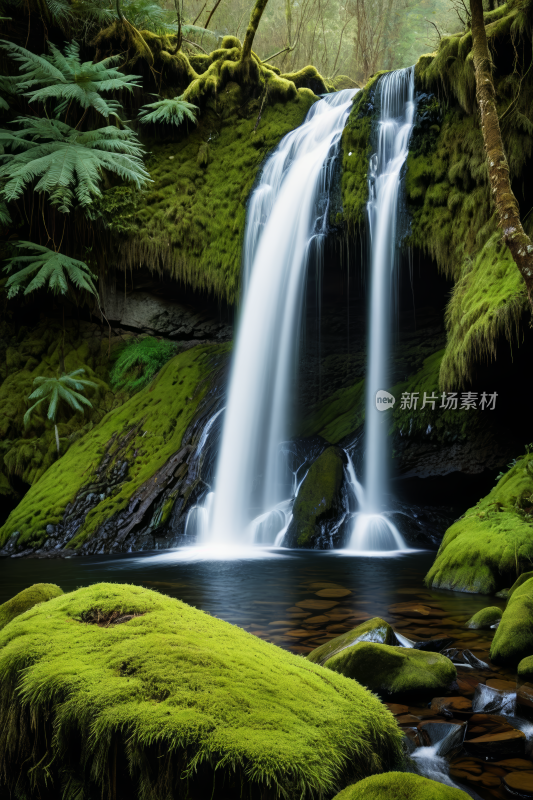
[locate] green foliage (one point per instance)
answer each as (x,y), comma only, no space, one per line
(490,545)
(66,388)
(213,698)
(67,163)
(62,78)
(54,270)
(139,361)
(28,598)
(170,112)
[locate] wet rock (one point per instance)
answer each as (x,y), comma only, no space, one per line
(319,499)
(489,700)
(11,545)
(513,640)
(397,708)
(485,618)
(433,645)
(519,784)
(501,686)
(445,735)
(524,700)
(333,591)
(459,707)
(374,630)
(394,671)
(495,746)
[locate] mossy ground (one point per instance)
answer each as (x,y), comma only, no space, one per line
(373,630)
(513,639)
(493,542)
(176,701)
(155,419)
(190,221)
(400,786)
(23,601)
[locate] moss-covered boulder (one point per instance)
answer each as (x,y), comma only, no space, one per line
(400,786)
(524,670)
(485,618)
(493,542)
(373,630)
(26,599)
(394,671)
(318,499)
(164,697)
(525,576)
(513,639)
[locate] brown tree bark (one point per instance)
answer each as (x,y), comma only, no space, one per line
(255,19)
(514,236)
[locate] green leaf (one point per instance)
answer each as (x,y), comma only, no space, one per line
(171,112)
(45,268)
(55,390)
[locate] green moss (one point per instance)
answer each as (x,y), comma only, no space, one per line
(139,361)
(394,671)
(518,582)
(400,786)
(493,542)
(373,630)
(317,497)
(154,421)
(338,415)
(26,599)
(485,618)
(190,221)
(174,696)
(513,639)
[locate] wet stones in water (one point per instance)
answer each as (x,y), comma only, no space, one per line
(501,686)
(524,701)
(490,700)
(465,657)
(460,707)
(433,645)
(397,709)
(447,735)
(316,605)
(493,739)
(335,591)
(485,618)
(519,784)
(374,630)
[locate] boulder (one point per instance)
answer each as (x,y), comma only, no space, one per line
(373,630)
(26,599)
(318,500)
(525,576)
(394,671)
(513,640)
(159,689)
(485,618)
(400,786)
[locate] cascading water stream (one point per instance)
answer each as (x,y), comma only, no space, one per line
(287,220)
(372,531)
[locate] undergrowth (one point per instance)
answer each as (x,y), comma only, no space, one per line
(138,362)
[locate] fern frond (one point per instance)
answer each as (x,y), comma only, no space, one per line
(171,112)
(55,390)
(5,217)
(49,269)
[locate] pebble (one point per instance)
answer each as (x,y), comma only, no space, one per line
(317,620)
(501,686)
(493,746)
(316,604)
(333,592)
(397,708)
(519,782)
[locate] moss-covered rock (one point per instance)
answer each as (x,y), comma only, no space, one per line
(26,599)
(163,696)
(485,618)
(400,786)
(373,630)
(513,639)
(318,498)
(525,576)
(493,542)
(524,670)
(394,671)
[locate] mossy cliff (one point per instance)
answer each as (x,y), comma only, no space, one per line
(120,692)
(130,463)
(492,543)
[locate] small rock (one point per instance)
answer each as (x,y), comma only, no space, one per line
(485,618)
(495,746)
(520,784)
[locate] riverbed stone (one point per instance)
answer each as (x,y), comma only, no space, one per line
(26,599)
(400,786)
(318,500)
(495,746)
(394,671)
(373,630)
(513,640)
(485,618)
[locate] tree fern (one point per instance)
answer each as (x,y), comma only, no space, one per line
(67,388)
(44,267)
(171,112)
(139,361)
(64,78)
(65,162)
(5,216)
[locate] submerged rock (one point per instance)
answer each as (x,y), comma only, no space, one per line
(212,696)
(373,630)
(318,500)
(394,671)
(485,618)
(513,640)
(400,785)
(28,598)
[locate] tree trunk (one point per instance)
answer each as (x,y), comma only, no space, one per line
(255,18)
(506,204)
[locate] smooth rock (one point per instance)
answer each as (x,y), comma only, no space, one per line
(520,784)
(485,618)
(374,630)
(495,746)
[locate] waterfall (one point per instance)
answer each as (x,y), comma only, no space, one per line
(287,220)
(372,531)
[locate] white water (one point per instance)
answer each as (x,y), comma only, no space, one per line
(372,531)
(288,212)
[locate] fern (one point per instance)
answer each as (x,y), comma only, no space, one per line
(63,78)
(5,217)
(172,112)
(139,361)
(50,269)
(65,162)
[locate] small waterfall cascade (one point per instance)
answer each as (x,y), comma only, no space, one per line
(372,531)
(287,221)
